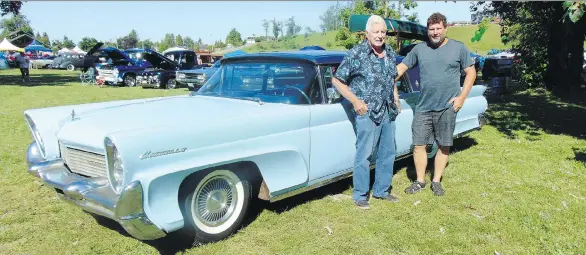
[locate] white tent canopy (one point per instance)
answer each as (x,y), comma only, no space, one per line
(63,50)
(6,45)
(78,50)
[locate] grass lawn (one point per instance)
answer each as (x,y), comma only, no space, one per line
(515,187)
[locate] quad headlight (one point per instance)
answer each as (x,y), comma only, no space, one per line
(115,166)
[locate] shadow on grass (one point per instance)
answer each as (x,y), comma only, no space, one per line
(460,144)
(42,79)
(531,112)
(580,155)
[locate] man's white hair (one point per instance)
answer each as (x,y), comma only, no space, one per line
(374,19)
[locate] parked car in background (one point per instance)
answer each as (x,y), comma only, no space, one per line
(162,72)
(69,61)
(120,68)
(497,67)
(195,78)
(277,120)
(185,57)
(41,62)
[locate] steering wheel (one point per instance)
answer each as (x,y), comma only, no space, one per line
(300,91)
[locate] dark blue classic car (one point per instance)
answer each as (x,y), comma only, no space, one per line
(120,68)
(162,73)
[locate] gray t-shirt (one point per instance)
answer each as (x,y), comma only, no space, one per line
(439,70)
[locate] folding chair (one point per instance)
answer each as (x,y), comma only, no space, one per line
(89,77)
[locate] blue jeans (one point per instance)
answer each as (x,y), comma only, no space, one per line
(369,135)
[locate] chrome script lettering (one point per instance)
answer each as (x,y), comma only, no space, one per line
(150,154)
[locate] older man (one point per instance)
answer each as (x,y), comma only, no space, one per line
(440,61)
(369,69)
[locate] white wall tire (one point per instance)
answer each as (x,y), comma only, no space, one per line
(217,204)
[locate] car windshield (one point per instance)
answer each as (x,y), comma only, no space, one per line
(276,81)
(134,55)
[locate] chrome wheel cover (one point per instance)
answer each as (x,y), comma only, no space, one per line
(171,83)
(130,81)
(215,201)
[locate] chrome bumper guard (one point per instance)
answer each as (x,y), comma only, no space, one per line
(95,195)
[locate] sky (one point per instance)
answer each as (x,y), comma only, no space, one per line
(208,20)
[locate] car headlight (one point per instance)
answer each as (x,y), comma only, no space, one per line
(115,166)
(36,135)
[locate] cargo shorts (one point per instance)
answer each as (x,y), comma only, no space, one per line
(431,126)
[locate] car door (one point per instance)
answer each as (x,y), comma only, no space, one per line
(333,136)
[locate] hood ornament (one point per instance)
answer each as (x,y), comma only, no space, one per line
(73,117)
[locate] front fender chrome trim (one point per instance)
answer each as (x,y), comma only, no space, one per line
(96,196)
(130,214)
(34,155)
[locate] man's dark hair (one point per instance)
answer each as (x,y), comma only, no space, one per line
(437,18)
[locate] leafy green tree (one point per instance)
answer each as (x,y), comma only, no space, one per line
(13,7)
(67,43)
(87,43)
(234,38)
(179,40)
(265,25)
(15,23)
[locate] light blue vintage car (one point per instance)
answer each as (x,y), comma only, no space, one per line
(265,126)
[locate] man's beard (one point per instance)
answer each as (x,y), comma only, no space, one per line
(437,44)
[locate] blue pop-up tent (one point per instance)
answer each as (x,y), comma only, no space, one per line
(36,46)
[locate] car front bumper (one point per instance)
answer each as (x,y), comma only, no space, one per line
(95,195)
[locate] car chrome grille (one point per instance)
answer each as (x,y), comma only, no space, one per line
(84,162)
(193,76)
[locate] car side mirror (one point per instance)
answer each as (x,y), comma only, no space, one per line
(332,94)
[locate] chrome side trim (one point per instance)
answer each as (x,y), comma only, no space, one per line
(311,187)
(316,185)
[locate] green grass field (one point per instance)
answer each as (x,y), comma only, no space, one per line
(491,39)
(515,187)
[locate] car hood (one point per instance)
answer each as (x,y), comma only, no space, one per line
(116,54)
(88,129)
(159,61)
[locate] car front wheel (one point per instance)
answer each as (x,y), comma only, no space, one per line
(216,204)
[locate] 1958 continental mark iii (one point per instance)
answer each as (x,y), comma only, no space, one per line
(268,126)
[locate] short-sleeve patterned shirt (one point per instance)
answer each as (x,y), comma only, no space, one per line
(371,79)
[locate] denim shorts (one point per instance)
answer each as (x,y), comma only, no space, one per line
(433,126)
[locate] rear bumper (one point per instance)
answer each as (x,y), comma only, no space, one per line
(95,195)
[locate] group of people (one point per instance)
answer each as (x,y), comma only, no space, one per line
(367,79)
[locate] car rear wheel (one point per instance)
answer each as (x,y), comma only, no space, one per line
(216,204)
(70,67)
(171,84)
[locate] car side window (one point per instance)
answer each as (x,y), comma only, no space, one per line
(328,72)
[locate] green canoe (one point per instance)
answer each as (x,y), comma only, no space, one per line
(403,29)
